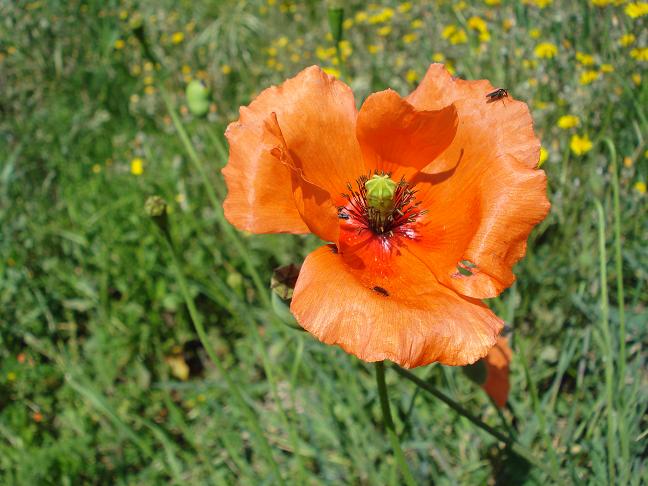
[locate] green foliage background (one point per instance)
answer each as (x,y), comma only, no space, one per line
(91,315)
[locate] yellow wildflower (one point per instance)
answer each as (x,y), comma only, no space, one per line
(123,14)
(484,36)
(607,68)
(585,59)
(149,90)
(347,24)
(96,168)
(636,9)
(627,161)
(226,69)
(640,187)
(477,23)
(119,44)
(417,24)
(588,77)
(282,41)
(373,48)
(438,57)
(177,37)
(448,31)
(627,40)
(636,79)
(546,50)
(361,17)
(544,155)
(332,71)
(492,2)
(580,145)
(540,3)
(411,76)
(11,376)
(384,31)
(507,24)
(459,37)
(405,7)
(568,121)
(601,3)
(294,57)
(534,33)
(137,166)
(640,54)
(459,6)
(409,38)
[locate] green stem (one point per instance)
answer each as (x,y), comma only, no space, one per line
(391,429)
(618,260)
(202,335)
(607,353)
(510,443)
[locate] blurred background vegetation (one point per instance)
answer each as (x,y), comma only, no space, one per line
(102,377)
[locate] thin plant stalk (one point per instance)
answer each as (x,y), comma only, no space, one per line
(618,262)
(608,353)
(509,441)
(389,423)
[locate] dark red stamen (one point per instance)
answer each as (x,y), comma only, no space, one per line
(405,209)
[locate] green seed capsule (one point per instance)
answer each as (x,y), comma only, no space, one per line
(198,95)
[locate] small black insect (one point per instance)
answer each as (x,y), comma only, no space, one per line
(381,291)
(498,94)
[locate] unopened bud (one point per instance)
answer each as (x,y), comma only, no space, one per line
(156,208)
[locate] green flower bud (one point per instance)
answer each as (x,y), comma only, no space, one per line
(197,97)
(380,193)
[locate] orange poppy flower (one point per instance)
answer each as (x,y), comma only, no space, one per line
(427,202)
(497,372)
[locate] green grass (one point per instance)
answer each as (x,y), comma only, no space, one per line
(92,309)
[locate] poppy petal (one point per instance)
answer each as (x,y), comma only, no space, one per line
(484,193)
(317,116)
(403,315)
(497,361)
(259,189)
(394,135)
(313,203)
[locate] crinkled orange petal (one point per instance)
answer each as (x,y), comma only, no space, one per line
(498,360)
(259,190)
(484,193)
(317,117)
(313,203)
(397,312)
(394,136)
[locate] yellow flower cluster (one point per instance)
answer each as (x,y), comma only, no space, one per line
(454,34)
(568,121)
(580,145)
(538,3)
(636,9)
(585,59)
(640,54)
(546,50)
(478,24)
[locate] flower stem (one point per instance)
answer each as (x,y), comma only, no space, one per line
(389,423)
(510,443)
(608,353)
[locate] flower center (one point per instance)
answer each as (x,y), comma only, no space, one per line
(381,205)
